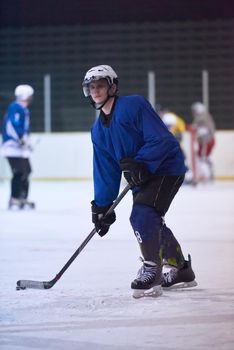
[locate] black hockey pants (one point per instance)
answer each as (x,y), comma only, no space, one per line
(21,170)
(158,195)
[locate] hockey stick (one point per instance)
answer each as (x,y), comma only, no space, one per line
(23,284)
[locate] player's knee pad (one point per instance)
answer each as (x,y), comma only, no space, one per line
(17,175)
(145,221)
(24,177)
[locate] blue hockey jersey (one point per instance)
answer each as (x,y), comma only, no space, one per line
(135,130)
(15,128)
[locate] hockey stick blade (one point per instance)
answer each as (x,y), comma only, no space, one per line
(24,284)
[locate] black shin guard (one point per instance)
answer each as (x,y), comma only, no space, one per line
(150,250)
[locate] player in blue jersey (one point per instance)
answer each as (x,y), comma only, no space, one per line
(130,138)
(16,147)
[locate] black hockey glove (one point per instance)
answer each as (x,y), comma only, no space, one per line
(102,224)
(134,172)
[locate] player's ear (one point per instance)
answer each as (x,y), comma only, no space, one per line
(113,89)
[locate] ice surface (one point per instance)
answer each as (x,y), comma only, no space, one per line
(91,306)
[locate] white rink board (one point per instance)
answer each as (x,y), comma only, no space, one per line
(91,306)
(69,155)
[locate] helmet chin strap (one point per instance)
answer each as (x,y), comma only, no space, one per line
(99,106)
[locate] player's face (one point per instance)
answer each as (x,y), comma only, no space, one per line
(99,90)
(26,102)
(29,100)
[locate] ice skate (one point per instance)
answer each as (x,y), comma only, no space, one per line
(179,278)
(148,281)
(28,204)
(15,204)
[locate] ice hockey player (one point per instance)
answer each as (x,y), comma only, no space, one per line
(130,137)
(16,147)
(204,126)
(174,123)
(177,127)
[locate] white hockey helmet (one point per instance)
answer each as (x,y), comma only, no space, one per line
(169,119)
(198,108)
(23,92)
(97,73)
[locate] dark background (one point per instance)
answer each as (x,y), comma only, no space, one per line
(70,12)
(176,39)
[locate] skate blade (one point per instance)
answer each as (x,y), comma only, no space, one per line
(182,285)
(153,292)
(14,207)
(29,206)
